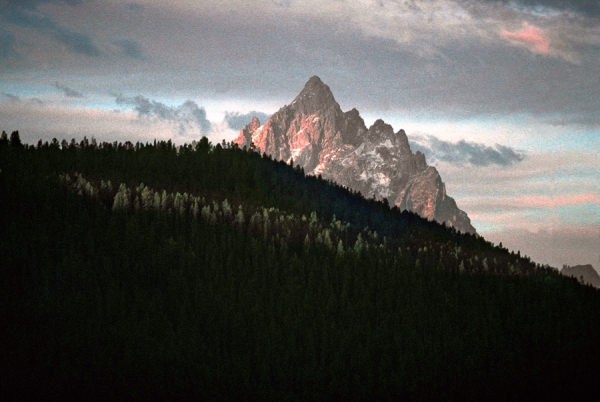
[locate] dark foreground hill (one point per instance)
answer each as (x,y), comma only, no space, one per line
(210,273)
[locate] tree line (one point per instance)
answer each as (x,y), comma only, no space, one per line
(211,272)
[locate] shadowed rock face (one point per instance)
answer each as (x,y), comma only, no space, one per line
(318,136)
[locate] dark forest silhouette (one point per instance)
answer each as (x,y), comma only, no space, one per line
(204,271)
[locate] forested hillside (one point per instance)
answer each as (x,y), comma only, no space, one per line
(143,271)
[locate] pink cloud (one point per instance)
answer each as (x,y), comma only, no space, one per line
(531,201)
(542,201)
(535,201)
(530,36)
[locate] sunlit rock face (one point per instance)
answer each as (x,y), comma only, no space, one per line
(315,133)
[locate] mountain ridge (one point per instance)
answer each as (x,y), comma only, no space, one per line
(314,133)
(584,273)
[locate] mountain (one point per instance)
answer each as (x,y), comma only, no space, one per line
(314,133)
(587,272)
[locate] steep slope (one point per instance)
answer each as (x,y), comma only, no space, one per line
(316,134)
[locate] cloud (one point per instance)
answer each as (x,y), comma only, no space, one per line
(373,57)
(17,100)
(463,152)
(591,119)
(75,41)
(590,8)
(533,201)
(185,116)
(130,48)
(7,43)
(25,14)
(135,7)
(532,37)
(10,97)
(237,121)
(69,93)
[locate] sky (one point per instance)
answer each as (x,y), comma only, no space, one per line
(503,97)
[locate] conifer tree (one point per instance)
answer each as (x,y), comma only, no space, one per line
(121,200)
(340,248)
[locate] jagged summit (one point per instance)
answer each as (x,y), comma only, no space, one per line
(316,95)
(322,139)
(254,123)
(314,84)
(248,130)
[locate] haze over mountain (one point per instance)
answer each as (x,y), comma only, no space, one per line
(314,133)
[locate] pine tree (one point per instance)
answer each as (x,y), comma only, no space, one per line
(360,244)
(340,248)
(157,201)
(121,200)
(239,218)
(15,140)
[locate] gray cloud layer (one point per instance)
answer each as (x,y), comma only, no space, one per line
(135,7)
(130,48)
(449,57)
(587,7)
(463,152)
(69,93)
(186,115)
(237,121)
(25,14)
(10,97)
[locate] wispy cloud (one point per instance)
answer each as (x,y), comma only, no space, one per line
(535,201)
(135,7)
(130,48)
(237,121)
(10,97)
(531,37)
(7,43)
(185,116)
(462,152)
(69,93)
(25,14)
(75,41)
(591,119)
(543,7)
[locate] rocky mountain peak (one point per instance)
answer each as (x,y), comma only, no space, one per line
(318,136)
(353,127)
(380,126)
(420,161)
(245,136)
(254,123)
(316,96)
(380,131)
(314,84)
(402,139)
